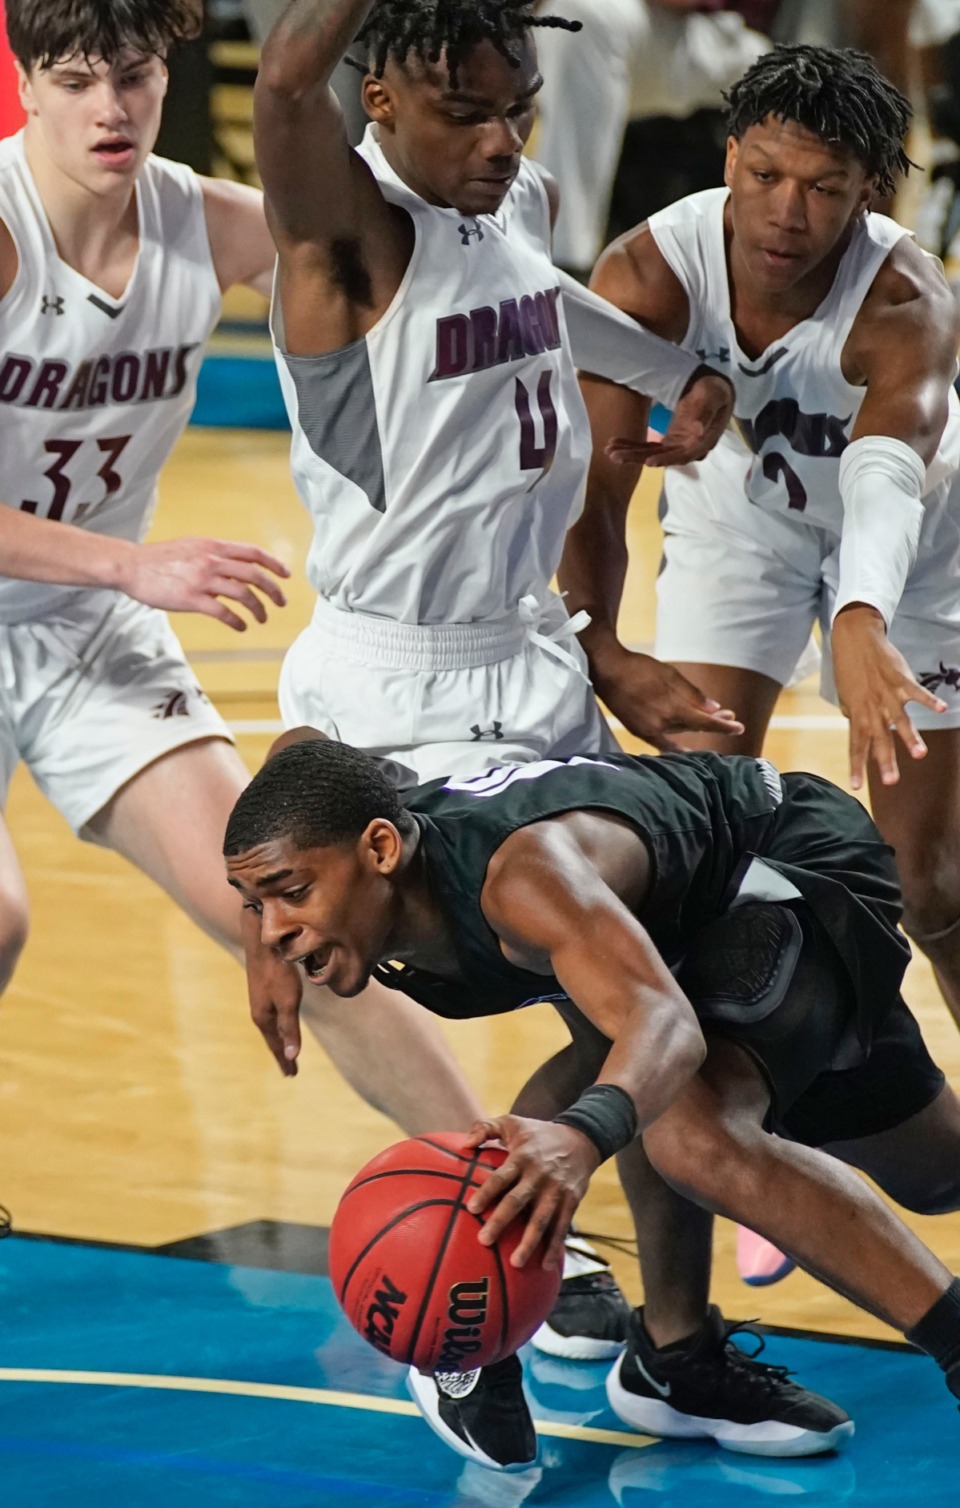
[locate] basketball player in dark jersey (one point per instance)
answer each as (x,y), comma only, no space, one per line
(724,942)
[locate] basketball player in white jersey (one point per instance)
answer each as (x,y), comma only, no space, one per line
(112,264)
(427,358)
(832,498)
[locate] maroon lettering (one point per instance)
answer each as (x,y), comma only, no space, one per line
(99,383)
(510,339)
(454,341)
(13,375)
(484,324)
(125,378)
(156,366)
(47,385)
(547,308)
(180,369)
(533,341)
(76,396)
(112,449)
(534,457)
(63,450)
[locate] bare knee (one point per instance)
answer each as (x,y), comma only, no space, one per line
(699,1156)
(931,891)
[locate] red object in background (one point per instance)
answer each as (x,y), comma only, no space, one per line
(11,115)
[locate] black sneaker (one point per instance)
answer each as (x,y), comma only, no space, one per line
(709,1388)
(590,1320)
(482,1415)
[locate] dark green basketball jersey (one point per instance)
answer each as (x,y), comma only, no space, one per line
(705,820)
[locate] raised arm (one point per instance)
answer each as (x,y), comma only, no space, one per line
(653,701)
(343,250)
(554,912)
(902,348)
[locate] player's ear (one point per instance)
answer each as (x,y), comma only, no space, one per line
(25,88)
(378,100)
(383,845)
(733,147)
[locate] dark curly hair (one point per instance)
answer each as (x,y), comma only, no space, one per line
(431,28)
(43,32)
(836,93)
(318,794)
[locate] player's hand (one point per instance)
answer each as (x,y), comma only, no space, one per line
(275,989)
(545,1173)
(698,421)
(874,684)
(656,703)
(194,575)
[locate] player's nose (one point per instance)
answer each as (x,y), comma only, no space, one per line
(112,111)
(276,929)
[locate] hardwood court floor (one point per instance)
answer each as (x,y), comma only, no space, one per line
(137,1104)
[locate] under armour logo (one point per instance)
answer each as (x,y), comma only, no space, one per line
(723,355)
(51,305)
(466,231)
(947,675)
(479,734)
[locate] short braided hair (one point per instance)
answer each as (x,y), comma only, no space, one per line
(836,93)
(318,794)
(432,28)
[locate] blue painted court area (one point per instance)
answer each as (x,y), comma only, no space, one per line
(138,1380)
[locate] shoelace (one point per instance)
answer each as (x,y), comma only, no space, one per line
(626,1245)
(746,1363)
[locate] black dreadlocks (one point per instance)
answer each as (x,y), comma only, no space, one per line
(429,28)
(834,92)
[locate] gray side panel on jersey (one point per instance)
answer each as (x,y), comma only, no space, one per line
(338,414)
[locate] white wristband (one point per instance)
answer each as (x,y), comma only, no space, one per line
(881,486)
(608,342)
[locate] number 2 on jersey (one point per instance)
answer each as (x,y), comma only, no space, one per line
(63,452)
(534,457)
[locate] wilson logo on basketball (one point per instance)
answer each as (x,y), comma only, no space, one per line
(383,1314)
(466,1316)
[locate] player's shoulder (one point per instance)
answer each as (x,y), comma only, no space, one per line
(634,275)
(910,291)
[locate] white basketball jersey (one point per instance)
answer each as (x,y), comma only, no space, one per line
(794,408)
(95,390)
(443,457)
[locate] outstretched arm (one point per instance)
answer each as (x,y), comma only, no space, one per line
(903,349)
(652,700)
(179,575)
(553,911)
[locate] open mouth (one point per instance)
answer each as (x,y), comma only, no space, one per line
(117,151)
(316,964)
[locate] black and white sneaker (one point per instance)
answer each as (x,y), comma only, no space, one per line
(482,1415)
(590,1319)
(707,1388)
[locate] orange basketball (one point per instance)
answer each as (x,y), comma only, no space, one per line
(409,1272)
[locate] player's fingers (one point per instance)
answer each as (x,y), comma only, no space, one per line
(912,691)
(226,586)
(909,736)
(539,1223)
(507,1210)
(554,1254)
(885,755)
(481,1131)
(238,550)
(214,608)
(626,451)
(240,570)
(859,744)
(266,1023)
(496,1186)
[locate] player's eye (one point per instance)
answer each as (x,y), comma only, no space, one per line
(253,906)
(296,894)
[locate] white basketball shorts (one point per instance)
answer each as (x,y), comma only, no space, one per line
(741,586)
(443,700)
(90,698)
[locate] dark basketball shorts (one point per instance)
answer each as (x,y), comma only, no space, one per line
(767,977)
